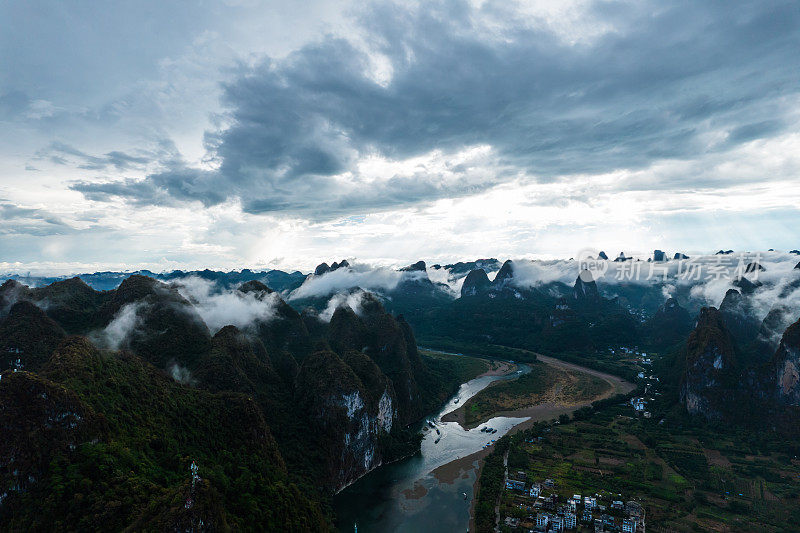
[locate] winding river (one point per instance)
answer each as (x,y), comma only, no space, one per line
(412,495)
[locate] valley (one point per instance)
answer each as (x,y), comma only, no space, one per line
(191,398)
(394,497)
(552,386)
(400,267)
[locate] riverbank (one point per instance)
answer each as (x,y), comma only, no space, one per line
(503,368)
(546,405)
(535,414)
(426,492)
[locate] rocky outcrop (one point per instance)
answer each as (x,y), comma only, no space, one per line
(419,266)
(585,294)
(476,282)
(324,268)
(388,342)
(70,302)
(659,256)
(746,286)
(416,288)
(12,291)
(337,266)
(350,418)
(239,362)
(504,275)
(602,255)
(679,255)
(283,333)
(754,267)
(710,367)
(462,268)
(784,371)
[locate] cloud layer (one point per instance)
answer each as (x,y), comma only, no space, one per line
(219,308)
(451,98)
(269,133)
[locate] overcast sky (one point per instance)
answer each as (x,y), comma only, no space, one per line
(280,134)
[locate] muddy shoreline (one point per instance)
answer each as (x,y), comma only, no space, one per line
(548,410)
(535,413)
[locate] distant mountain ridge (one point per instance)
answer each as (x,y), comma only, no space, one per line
(108,280)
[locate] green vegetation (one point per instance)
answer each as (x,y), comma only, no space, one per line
(480,350)
(278,415)
(458,368)
(491,486)
(544,383)
(134,471)
(689,476)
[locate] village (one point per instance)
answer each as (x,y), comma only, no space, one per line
(647,381)
(546,511)
(542,509)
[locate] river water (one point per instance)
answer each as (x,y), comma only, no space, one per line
(405,496)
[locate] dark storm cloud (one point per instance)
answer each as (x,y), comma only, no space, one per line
(653,87)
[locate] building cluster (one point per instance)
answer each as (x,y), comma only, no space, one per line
(639,405)
(651,383)
(547,512)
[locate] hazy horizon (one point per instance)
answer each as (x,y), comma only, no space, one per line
(266,135)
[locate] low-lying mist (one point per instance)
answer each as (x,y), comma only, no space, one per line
(220,307)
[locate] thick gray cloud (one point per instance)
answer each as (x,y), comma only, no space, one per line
(666,81)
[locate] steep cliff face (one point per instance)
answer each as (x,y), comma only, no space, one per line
(390,344)
(387,346)
(349,418)
(710,366)
(260,392)
(784,370)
